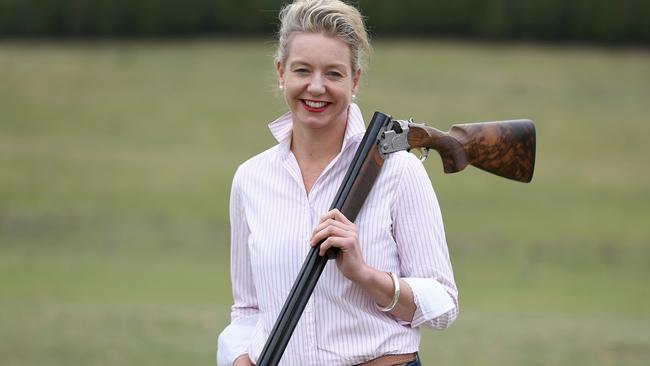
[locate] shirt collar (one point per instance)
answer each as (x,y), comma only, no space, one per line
(282,127)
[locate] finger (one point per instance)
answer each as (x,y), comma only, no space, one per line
(330,231)
(336,215)
(327,215)
(332,222)
(339,216)
(334,242)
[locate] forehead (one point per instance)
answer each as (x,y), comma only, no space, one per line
(318,48)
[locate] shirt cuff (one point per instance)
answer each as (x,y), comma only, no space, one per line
(233,341)
(431,300)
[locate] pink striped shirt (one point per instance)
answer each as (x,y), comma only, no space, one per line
(272,218)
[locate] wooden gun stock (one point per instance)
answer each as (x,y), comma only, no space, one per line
(504,148)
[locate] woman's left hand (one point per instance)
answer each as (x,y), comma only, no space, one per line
(341,233)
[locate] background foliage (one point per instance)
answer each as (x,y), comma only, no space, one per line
(116,159)
(621,21)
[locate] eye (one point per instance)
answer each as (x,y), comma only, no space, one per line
(301,70)
(335,74)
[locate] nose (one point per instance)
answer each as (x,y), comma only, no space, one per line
(316,85)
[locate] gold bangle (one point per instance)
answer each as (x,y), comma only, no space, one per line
(392,304)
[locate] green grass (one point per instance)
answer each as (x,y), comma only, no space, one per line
(115,166)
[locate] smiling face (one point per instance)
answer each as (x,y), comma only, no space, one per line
(318,81)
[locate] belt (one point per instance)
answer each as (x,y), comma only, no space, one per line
(392,360)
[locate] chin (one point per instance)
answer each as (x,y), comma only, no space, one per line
(318,120)
(316,123)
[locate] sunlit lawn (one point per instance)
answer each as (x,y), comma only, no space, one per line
(116,160)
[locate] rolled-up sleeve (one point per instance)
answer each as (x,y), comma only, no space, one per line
(424,257)
(234,339)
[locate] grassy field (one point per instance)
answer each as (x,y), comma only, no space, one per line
(115,166)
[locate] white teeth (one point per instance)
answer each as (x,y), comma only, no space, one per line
(315,104)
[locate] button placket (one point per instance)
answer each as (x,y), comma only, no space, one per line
(310,308)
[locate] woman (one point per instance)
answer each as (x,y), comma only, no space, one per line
(392,275)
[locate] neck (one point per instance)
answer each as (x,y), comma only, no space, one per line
(317,145)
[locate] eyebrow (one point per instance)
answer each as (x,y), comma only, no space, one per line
(300,62)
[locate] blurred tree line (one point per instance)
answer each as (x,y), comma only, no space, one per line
(612,21)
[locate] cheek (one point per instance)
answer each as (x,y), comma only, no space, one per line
(293,87)
(345,91)
(291,93)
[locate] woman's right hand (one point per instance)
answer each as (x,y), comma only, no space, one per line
(243,360)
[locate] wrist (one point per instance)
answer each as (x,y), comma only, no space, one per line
(395,298)
(367,276)
(242,360)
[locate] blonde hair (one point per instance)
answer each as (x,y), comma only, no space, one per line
(332,17)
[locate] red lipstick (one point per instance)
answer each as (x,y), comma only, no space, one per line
(312,109)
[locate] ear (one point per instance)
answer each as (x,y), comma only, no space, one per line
(280,71)
(355,80)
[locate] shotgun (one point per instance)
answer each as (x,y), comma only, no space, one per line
(504,148)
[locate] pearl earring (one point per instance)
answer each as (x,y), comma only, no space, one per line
(281,87)
(354,97)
